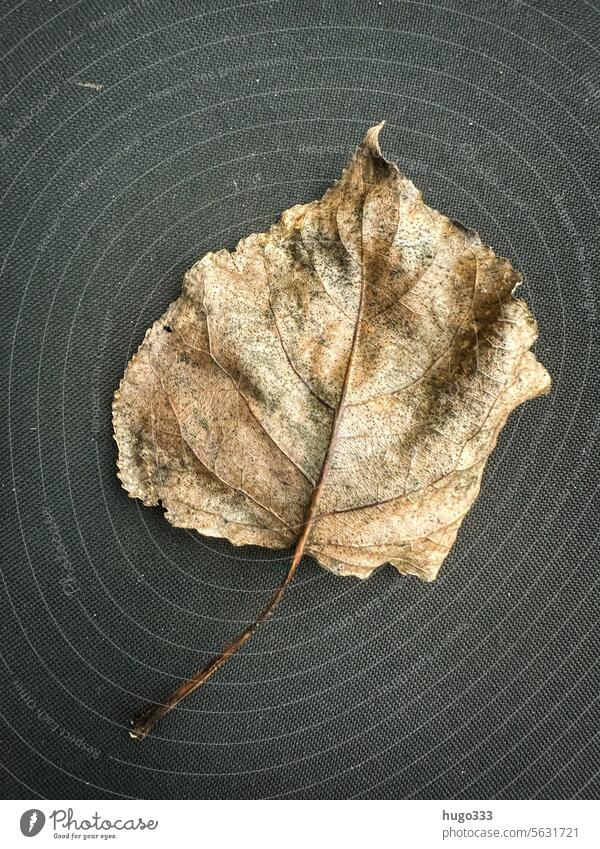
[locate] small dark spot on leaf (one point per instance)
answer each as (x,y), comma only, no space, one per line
(168,328)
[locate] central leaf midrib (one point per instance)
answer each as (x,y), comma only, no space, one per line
(316,493)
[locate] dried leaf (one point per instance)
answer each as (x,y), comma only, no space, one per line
(367,304)
(337,382)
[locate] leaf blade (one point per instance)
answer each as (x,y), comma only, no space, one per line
(357,359)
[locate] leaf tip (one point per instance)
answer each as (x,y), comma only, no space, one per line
(371,139)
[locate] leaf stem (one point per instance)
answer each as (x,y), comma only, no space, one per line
(144,724)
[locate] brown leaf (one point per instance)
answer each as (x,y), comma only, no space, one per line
(337,382)
(366,308)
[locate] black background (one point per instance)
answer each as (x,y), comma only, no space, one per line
(136,136)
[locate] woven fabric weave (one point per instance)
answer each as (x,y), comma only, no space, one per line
(134,138)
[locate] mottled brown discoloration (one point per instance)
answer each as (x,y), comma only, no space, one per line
(340,380)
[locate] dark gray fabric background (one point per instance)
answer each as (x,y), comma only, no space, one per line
(137,135)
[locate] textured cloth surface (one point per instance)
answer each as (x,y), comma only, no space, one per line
(135,137)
